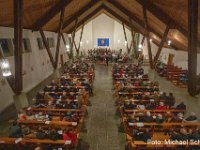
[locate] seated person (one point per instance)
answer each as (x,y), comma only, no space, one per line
(53,83)
(47,96)
(69,105)
(146,118)
(22,116)
(64,96)
(88,87)
(39,96)
(195,135)
(50,104)
(132,119)
(184,78)
(191,118)
(159,118)
(41,116)
(72,135)
(161,106)
(65,135)
(132,105)
(53,135)
(181,105)
(75,117)
(59,104)
(182,134)
(176,118)
(170,100)
(163,96)
(142,135)
(151,105)
(15,130)
(40,134)
(126,104)
(68,116)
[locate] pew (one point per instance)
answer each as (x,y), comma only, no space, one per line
(7,143)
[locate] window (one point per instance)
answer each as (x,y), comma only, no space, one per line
(7,47)
(50,42)
(26,45)
(40,43)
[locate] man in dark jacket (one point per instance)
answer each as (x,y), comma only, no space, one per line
(15,131)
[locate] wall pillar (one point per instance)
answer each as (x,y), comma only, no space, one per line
(20,101)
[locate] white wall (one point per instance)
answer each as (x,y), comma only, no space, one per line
(119,38)
(103,27)
(86,37)
(180,57)
(34,59)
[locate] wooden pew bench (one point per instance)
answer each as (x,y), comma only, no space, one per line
(27,143)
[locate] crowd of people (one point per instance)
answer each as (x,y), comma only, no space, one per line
(59,109)
(140,101)
(104,55)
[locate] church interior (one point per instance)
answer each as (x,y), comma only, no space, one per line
(99,75)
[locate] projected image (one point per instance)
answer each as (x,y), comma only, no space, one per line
(103,41)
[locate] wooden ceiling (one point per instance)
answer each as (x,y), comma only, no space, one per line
(46,14)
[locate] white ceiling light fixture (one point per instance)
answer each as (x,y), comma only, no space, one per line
(140,46)
(67,48)
(125,42)
(87,41)
(169,42)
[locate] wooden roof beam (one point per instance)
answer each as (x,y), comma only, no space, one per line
(125,38)
(133,39)
(63,38)
(157,12)
(113,13)
(147,37)
(44,39)
(18,7)
(137,20)
(192,46)
(73,39)
(79,44)
(85,19)
(50,14)
(128,23)
(79,13)
(59,36)
(163,40)
(126,12)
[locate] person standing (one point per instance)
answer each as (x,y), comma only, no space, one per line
(107,59)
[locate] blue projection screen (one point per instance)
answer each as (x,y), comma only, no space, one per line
(103,41)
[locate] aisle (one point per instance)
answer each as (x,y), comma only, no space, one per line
(102,124)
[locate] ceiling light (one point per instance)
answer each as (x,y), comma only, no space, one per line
(169,42)
(67,46)
(125,42)
(140,46)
